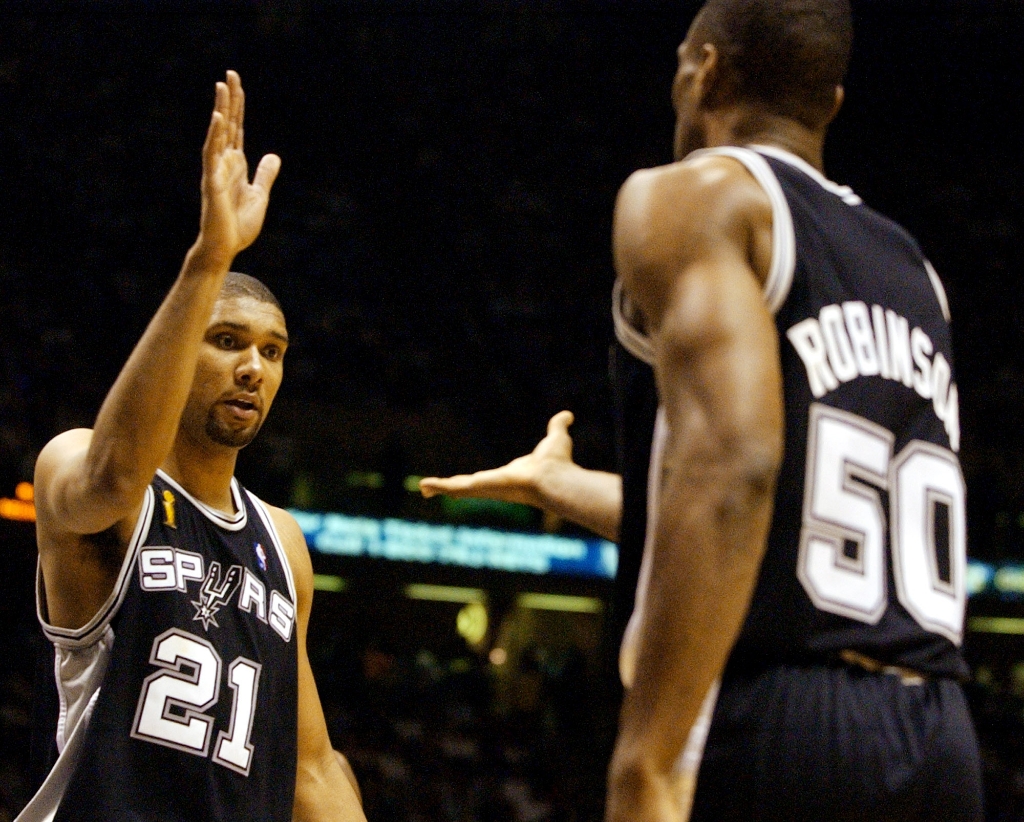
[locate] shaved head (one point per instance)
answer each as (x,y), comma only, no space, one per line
(786,56)
(237,284)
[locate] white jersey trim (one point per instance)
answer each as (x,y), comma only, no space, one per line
(94,628)
(268,522)
(633,340)
(783,261)
(229,522)
(940,292)
(81,658)
(845,193)
(44,805)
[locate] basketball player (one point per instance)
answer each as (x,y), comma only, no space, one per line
(803,579)
(177,602)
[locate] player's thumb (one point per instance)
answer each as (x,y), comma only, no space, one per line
(559,424)
(266,172)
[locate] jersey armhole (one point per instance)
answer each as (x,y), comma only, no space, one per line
(94,628)
(268,523)
(940,292)
(783,262)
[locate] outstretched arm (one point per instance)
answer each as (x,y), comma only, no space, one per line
(683,240)
(546,478)
(323,790)
(88,481)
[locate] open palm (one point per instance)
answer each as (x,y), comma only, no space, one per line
(518,480)
(233,208)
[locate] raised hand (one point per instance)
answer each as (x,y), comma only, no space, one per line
(520,480)
(233,208)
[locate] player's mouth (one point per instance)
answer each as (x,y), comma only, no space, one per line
(242,409)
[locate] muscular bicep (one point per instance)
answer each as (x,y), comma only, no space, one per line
(686,248)
(717,364)
(70,497)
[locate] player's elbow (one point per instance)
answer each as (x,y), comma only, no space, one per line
(747,478)
(753,474)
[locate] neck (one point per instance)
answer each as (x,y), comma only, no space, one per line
(204,472)
(741,126)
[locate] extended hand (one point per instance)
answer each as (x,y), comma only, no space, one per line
(519,481)
(233,208)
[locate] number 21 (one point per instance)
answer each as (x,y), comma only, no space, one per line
(172,703)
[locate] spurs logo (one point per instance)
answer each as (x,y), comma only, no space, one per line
(215,593)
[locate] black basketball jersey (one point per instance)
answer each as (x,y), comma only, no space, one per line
(867,548)
(196,714)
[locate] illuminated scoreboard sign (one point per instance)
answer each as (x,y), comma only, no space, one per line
(1004,580)
(467,547)
(460,545)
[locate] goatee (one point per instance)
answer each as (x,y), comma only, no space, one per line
(231,437)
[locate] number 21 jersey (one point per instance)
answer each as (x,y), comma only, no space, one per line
(179,699)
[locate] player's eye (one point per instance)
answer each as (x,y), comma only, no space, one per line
(272,352)
(225,341)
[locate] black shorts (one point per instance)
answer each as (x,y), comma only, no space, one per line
(835,743)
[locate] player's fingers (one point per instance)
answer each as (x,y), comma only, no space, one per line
(432,486)
(266,172)
(211,138)
(559,424)
(214,144)
(235,100)
(459,485)
(222,100)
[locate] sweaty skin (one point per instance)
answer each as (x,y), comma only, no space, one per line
(197,386)
(692,246)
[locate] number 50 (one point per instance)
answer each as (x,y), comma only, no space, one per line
(842,545)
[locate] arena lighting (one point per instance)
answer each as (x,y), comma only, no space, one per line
(461,545)
(444,593)
(329,582)
(996,625)
(472,622)
(559,602)
(22,507)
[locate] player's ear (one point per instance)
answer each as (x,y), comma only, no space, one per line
(707,81)
(837,103)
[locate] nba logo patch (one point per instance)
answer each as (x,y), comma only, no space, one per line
(261,556)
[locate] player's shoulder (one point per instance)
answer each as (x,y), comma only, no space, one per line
(669,214)
(292,539)
(63,446)
(287,526)
(56,462)
(698,185)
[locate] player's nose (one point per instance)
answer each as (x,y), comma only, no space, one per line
(249,370)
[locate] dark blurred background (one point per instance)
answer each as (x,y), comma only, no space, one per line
(439,237)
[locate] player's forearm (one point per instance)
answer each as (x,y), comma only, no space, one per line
(712,526)
(138,421)
(589,498)
(323,792)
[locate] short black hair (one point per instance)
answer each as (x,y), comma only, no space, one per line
(785,55)
(237,284)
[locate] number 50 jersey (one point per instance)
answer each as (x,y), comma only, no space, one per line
(179,700)
(867,549)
